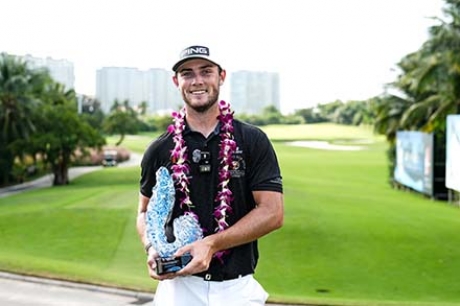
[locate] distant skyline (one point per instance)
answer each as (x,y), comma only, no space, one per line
(323,50)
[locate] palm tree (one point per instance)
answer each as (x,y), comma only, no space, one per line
(429,86)
(432,75)
(389,110)
(20,89)
(143,108)
(122,122)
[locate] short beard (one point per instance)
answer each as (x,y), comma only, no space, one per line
(203,108)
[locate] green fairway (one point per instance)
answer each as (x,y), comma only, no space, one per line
(348,238)
(84,231)
(320,131)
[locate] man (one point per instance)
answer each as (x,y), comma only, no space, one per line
(227,175)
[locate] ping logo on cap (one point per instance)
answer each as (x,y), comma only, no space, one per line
(194,50)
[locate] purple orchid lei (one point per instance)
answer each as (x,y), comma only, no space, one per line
(181,168)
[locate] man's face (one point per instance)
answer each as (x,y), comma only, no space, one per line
(198,81)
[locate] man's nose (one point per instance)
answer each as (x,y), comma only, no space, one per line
(197,79)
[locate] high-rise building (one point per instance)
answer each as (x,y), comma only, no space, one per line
(163,96)
(153,86)
(62,71)
(252,91)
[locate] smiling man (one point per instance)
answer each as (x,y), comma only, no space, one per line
(199,79)
(227,176)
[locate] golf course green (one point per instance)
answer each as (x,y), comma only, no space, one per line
(348,237)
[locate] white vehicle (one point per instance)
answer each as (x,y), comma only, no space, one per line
(110,158)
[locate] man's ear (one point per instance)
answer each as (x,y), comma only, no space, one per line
(175,80)
(223,75)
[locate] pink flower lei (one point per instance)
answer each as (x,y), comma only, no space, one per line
(181,168)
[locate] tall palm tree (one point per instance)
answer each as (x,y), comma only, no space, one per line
(429,86)
(389,110)
(433,78)
(20,89)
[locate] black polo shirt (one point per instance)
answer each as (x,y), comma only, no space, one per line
(255,167)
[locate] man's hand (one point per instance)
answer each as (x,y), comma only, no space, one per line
(151,265)
(201,252)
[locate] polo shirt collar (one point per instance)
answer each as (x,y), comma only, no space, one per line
(188,130)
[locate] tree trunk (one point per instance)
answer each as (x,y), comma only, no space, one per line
(61,173)
(6,166)
(122,137)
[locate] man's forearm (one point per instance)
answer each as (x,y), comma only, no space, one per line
(140,221)
(140,226)
(254,225)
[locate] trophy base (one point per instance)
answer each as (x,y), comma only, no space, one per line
(171,264)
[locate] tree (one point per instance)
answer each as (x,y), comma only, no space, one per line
(389,111)
(20,91)
(271,115)
(91,112)
(310,115)
(430,79)
(61,132)
(429,85)
(349,113)
(327,110)
(143,108)
(122,120)
(39,118)
(444,48)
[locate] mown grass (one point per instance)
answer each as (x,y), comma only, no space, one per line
(84,231)
(348,238)
(320,131)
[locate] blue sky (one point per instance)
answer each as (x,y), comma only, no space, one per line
(324,50)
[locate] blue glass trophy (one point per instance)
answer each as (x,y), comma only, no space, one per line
(185,229)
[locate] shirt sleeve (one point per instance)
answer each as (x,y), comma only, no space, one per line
(264,170)
(156,155)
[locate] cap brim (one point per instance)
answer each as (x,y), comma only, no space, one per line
(181,62)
